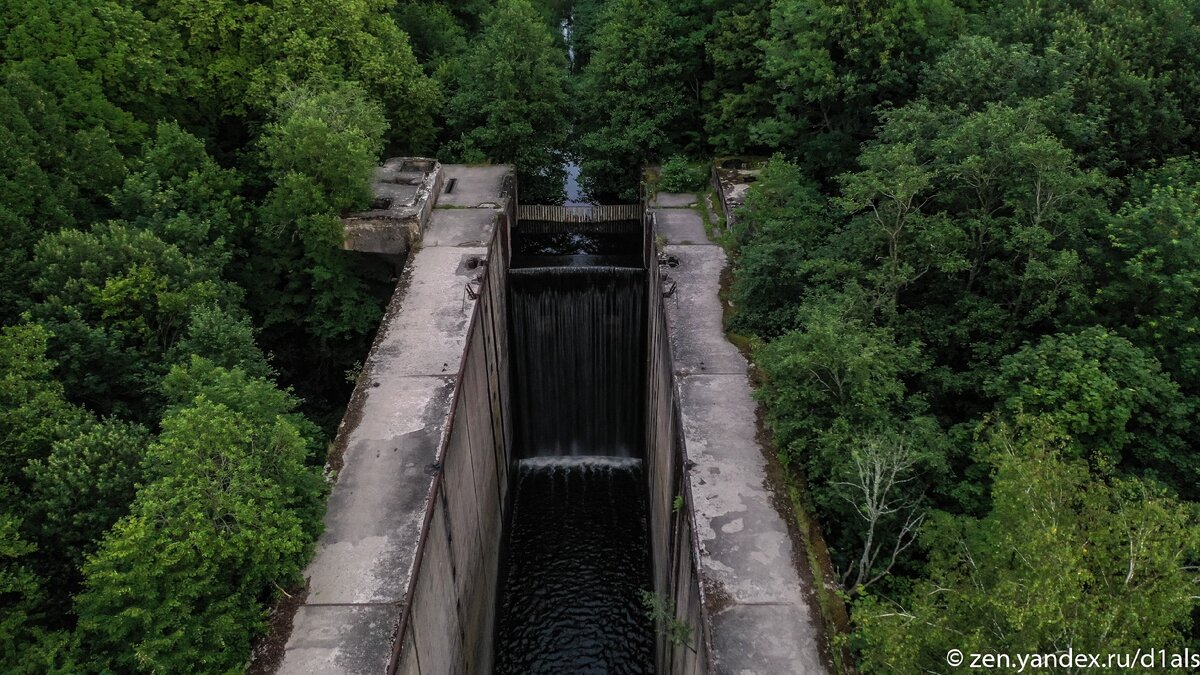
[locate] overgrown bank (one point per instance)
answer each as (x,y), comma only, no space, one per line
(178,322)
(974,326)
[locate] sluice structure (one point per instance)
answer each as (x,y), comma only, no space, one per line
(519,472)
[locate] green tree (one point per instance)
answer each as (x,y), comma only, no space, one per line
(737,97)
(587,16)
(510,101)
(224,337)
(1109,397)
(178,192)
(55,169)
(117,299)
(1151,286)
(229,515)
(1064,559)
(242,56)
(76,493)
(779,235)
(99,56)
(1129,67)
(20,600)
(436,35)
(333,137)
(833,62)
(241,390)
(635,105)
(321,153)
(972,227)
(34,412)
(836,365)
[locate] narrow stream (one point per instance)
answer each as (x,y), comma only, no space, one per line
(575,196)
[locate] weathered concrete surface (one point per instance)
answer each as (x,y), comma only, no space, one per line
(459,227)
(762,621)
(332,638)
(404,190)
(673,541)
(674,200)
(734,177)
(362,571)
(682,226)
(474,185)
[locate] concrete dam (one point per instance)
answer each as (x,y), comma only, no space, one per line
(550,462)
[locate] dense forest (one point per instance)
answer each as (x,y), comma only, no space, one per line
(969,273)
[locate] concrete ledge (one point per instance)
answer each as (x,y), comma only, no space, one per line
(405,190)
(744,646)
(365,570)
(369,560)
(339,639)
(698,334)
(759,609)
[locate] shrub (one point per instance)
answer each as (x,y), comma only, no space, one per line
(677,175)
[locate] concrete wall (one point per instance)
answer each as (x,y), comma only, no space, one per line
(446,598)
(448,622)
(760,606)
(673,542)
(405,190)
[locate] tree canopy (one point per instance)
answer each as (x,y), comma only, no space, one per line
(967,273)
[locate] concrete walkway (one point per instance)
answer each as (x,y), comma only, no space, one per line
(762,621)
(360,574)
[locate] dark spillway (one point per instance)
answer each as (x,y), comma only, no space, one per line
(578,363)
(576,556)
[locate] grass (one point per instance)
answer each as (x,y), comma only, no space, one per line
(652,177)
(832,605)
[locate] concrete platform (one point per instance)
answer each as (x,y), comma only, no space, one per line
(698,338)
(474,185)
(459,227)
(762,618)
(682,226)
(361,573)
(674,200)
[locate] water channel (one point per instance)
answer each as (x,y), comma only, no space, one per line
(575,557)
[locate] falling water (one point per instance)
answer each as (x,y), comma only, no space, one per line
(577,560)
(577,354)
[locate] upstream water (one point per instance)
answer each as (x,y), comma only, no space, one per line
(574,191)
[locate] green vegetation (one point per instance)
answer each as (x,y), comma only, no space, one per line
(969,271)
(510,99)
(663,613)
(969,274)
(678,175)
(177,317)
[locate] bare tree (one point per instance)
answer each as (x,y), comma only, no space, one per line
(883,467)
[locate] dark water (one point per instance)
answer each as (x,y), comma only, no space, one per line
(577,561)
(535,248)
(577,357)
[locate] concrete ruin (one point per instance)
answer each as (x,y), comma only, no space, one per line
(405,190)
(404,579)
(732,177)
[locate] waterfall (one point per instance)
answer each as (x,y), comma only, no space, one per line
(577,560)
(577,355)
